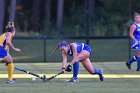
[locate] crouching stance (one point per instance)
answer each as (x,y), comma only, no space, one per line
(80,52)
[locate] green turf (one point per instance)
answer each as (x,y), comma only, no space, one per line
(25,85)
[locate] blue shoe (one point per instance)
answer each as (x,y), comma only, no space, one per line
(101,76)
(11,81)
(128,66)
(73,79)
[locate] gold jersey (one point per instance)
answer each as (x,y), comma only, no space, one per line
(3,41)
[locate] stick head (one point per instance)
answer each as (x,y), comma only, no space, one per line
(44,78)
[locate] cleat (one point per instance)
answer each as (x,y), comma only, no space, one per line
(73,79)
(11,81)
(101,76)
(137,69)
(128,66)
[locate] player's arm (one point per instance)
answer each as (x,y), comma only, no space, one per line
(64,63)
(9,41)
(74,49)
(131,32)
(74,59)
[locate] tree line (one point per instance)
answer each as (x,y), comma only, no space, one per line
(70,17)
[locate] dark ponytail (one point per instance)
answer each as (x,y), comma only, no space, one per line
(10,27)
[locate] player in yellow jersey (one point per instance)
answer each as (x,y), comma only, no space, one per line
(5,43)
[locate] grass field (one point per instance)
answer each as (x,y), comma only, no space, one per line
(102,50)
(118,79)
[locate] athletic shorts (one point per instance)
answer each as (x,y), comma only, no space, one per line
(3,52)
(87,48)
(136,47)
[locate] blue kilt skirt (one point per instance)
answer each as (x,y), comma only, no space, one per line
(3,52)
(136,47)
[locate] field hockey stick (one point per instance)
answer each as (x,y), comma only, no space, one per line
(31,73)
(28,72)
(52,77)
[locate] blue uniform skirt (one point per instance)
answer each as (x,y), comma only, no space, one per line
(87,48)
(136,47)
(3,52)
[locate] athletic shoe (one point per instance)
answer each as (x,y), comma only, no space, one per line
(128,66)
(11,81)
(101,75)
(73,79)
(137,69)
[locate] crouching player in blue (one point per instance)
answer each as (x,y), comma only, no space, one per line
(80,53)
(5,42)
(134,34)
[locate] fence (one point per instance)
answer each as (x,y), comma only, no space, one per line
(37,49)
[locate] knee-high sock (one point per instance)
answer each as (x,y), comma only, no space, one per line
(75,69)
(97,71)
(10,69)
(131,60)
(138,62)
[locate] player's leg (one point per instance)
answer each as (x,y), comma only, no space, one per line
(75,69)
(130,61)
(75,72)
(134,58)
(138,59)
(92,70)
(10,68)
(83,56)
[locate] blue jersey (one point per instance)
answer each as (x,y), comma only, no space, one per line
(137,32)
(137,36)
(80,47)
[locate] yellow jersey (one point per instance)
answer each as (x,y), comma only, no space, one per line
(3,41)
